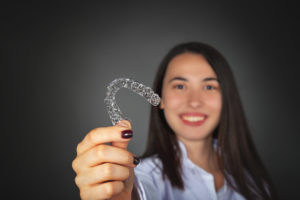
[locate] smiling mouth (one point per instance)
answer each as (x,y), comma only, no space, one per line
(193,119)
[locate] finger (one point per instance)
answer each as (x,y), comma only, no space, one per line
(103,135)
(126,124)
(129,182)
(103,191)
(102,173)
(103,154)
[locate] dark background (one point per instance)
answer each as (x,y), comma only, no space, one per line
(57,59)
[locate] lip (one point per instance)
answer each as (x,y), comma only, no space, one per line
(193,123)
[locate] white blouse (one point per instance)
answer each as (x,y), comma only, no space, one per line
(198,183)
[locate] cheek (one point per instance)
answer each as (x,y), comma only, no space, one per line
(216,104)
(172,101)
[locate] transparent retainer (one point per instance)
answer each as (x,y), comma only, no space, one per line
(113,109)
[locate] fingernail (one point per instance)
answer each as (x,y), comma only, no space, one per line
(136,160)
(127,134)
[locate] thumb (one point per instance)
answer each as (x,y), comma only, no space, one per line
(126,124)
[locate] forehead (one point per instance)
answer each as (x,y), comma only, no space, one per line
(189,64)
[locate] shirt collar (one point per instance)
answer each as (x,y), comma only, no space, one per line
(190,165)
(185,157)
(186,162)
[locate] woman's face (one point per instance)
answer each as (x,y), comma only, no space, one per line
(191,97)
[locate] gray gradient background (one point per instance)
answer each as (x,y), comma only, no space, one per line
(58,59)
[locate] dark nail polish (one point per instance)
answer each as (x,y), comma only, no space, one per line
(127,134)
(136,160)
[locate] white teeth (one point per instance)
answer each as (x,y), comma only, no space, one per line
(193,118)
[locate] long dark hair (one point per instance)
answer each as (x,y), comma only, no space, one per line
(239,160)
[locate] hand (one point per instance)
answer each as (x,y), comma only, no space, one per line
(105,171)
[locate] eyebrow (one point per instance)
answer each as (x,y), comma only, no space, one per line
(178,78)
(210,79)
(184,79)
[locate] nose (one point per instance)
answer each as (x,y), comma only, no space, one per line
(195,99)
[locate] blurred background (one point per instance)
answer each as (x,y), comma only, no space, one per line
(57,59)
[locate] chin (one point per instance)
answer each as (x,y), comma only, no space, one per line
(194,137)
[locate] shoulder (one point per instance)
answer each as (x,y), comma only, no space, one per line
(150,165)
(148,178)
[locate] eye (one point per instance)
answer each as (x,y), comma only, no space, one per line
(179,86)
(209,87)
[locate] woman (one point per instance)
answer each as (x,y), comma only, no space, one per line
(199,144)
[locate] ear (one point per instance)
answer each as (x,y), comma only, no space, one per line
(161,105)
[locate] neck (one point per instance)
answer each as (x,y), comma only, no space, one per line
(202,153)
